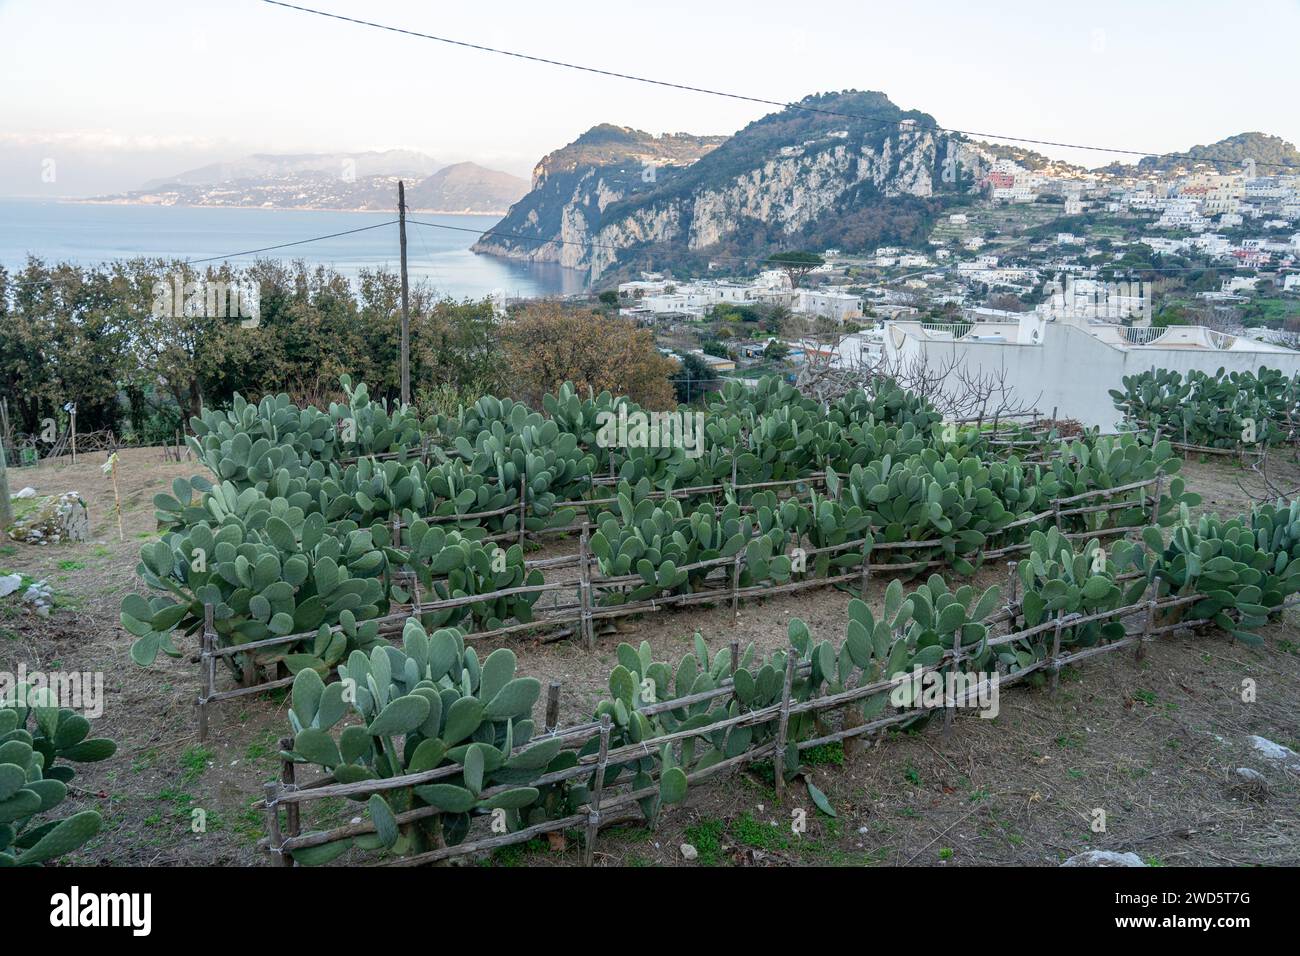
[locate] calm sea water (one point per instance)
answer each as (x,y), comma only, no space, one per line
(92,234)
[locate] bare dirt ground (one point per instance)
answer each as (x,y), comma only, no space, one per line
(1153,743)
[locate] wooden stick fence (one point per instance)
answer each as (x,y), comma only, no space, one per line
(286,794)
(722,572)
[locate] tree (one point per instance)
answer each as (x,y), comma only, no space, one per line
(693,379)
(776,350)
(796,265)
(609,298)
(547,345)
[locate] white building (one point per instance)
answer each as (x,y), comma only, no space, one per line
(1071,366)
(831,304)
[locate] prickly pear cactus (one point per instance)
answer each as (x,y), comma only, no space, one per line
(33,737)
(429,705)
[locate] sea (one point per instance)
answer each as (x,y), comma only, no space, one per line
(437,254)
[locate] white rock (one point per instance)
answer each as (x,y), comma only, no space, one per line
(1104,858)
(9,583)
(1252,776)
(1276,752)
(28,492)
(689,852)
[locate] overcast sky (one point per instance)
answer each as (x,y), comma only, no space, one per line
(119,92)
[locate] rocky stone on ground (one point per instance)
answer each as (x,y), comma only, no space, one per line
(57,519)
(1275,752)
(1104,858)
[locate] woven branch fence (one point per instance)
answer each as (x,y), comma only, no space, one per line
(615,805)
(719,585)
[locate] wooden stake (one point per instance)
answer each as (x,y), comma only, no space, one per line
(866,564)
(289,779)
(274,837)
(593,818)
(552,706)
(1056,652)
(783,723)
(207,667)
(584,589)
(523,491)
(735,586)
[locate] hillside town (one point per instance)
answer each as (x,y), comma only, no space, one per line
(1138,261)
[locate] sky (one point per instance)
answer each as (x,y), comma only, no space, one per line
(101,96)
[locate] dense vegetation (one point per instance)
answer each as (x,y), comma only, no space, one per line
(1223,410)
(93,336)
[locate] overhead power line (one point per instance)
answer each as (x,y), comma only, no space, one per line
(541,240)
(741,96)
(286,245)
(235,255)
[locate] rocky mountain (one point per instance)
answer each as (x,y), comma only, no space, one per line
(1226,156)
(851,170)
(336,181)
(466,188)
(272,166)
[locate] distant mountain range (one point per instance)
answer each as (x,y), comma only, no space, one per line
(335,181)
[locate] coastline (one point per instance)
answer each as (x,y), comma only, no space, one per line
(159,205)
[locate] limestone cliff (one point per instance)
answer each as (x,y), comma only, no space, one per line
(850,170)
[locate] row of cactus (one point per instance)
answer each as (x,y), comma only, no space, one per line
(34,735)
(430,704)
(249,443)
(959,503)
(657,540)
(1059,579)
(1223,410)
(269,570)
(1245,567)
(1112,462)
(915,630)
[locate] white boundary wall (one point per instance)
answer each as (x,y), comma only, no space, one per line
(1073,370)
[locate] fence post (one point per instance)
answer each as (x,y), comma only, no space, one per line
(523,491)
(1056,651)
(735,585)
(867,542)
(275,840)
(783,723)
(552,706)
(584,588)
(207,665)
(1149,621)
(593,818)
(416,597)
(1013,591)
(288,777)
(1155,500)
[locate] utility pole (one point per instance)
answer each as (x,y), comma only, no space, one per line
(406,313)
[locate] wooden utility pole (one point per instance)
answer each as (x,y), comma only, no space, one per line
(406,313)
